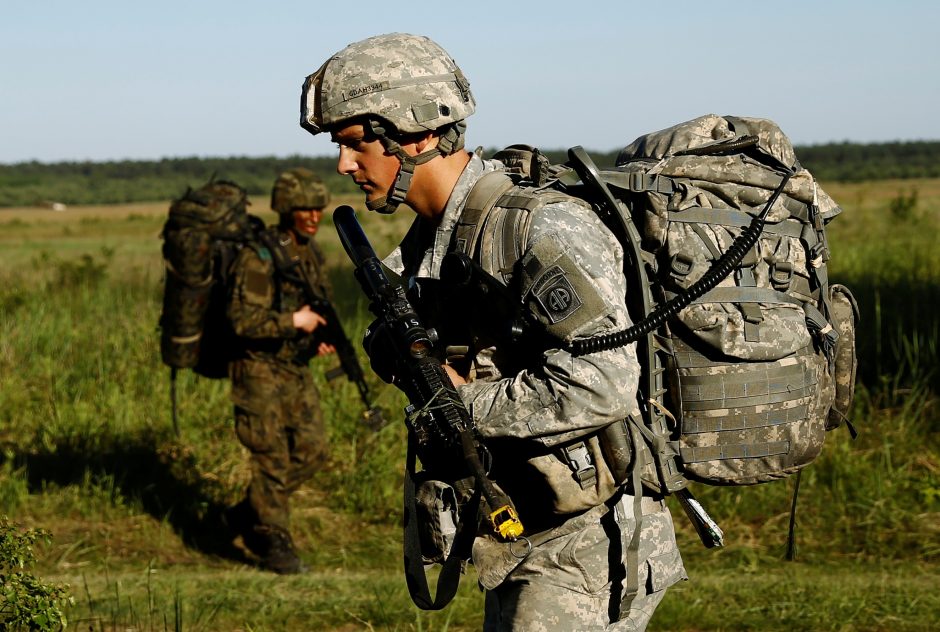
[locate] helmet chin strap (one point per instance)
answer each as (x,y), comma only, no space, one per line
(451,141)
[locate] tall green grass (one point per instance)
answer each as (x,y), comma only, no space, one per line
(89,453)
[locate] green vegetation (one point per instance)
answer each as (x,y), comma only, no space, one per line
(856,162)
(120,182)
(26,602)
(89,454)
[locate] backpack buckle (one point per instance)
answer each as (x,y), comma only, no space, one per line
(637,181)
(578,459)
(681,264)
(781,275)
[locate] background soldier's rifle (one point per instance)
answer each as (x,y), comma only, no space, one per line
(348,362)
(332,332)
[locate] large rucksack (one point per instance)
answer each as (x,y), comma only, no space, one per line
(205,229)
(761,365)
(747,351)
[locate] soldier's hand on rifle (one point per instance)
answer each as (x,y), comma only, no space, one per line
(307,320)
(456,378)
(325,348)
(381,351)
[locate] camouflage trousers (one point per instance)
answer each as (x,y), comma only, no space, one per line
(278,419)
(576,582)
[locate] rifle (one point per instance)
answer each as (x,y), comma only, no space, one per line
(439,425)
(348,362)
(332,332)
(437,418)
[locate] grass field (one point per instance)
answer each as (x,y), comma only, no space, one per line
(87,451)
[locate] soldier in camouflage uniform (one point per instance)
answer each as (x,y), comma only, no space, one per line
(277,406)
(395,105)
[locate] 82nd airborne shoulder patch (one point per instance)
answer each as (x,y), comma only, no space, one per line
(556,295)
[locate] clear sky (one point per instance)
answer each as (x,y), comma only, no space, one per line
(125,79)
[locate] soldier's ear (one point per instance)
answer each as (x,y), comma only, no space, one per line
(423,141)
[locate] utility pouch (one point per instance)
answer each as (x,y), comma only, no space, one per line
(581,474)
(845,319)
(748,422)
(438,516)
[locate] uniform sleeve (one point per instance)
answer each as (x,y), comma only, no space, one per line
(251,303)
(573,287)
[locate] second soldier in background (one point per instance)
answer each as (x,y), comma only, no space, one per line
(277,405)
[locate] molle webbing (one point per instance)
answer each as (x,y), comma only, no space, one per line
(741,411)
(739,451)
(734,218)
(746,295)
(733,391)
(744,419)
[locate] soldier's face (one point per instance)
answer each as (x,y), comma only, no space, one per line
(307,220)
(365,161)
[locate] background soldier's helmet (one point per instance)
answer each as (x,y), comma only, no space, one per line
(298,188)
(406,80)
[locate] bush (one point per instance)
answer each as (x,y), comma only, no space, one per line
(26,603)
(902,206)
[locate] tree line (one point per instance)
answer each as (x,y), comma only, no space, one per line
(116,182)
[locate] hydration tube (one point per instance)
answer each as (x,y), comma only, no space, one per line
(667,311)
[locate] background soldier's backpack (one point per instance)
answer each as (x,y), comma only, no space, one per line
(747,350)
(201,237)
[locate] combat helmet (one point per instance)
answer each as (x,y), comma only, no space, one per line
(396,84)
(298,188)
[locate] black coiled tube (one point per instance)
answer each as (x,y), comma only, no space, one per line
(719,270)
(727,147)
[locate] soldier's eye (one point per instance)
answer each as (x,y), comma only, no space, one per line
(355,144)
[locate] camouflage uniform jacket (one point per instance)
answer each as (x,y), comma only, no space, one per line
(263,299)
(557,397)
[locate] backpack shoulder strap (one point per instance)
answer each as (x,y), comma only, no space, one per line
(481,200)
(494,225)
(269,248)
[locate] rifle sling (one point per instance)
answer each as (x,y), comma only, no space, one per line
(415,575)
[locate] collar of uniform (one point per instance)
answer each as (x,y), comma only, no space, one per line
(431,261)
(401,260)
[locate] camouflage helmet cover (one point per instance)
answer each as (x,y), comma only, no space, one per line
(298,188)
(407,80)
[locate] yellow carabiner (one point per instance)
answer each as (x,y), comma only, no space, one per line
(506,523)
